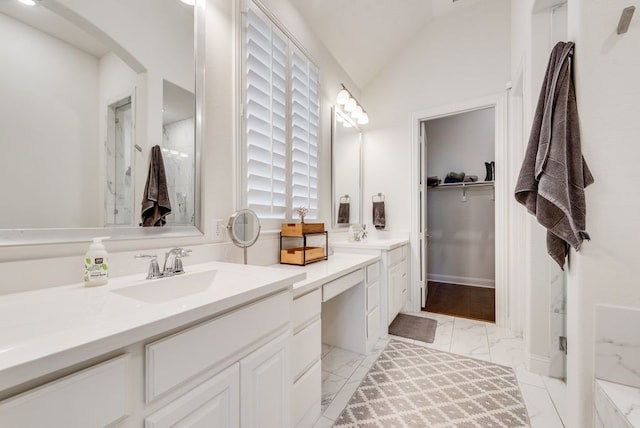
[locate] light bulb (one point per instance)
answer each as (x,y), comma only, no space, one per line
(363,119)
(350,105)
(343,97)
(357,112)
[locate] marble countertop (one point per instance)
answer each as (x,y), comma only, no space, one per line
(616,404)
(46,330)
(371,244)
(319,273)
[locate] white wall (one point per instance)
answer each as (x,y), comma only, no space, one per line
(456,58)
(461,143)
(48,83)
(461,249)
(606,270)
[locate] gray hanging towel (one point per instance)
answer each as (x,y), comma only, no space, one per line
(554,173)
(343,213)
(155,200)
(379,220)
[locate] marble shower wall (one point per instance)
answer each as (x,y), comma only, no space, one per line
(617,345)
(557,320)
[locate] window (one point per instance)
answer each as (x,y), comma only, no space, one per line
(281,121)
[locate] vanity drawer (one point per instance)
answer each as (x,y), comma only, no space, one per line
(307,393)
(307,348)
(180,357)
(97,396)
(373,272)
(337,286)
(306,308)
(373,296)
(397,255)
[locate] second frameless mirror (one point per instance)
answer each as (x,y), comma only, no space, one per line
(244,229)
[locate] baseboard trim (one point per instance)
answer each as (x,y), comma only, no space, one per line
(450,279)
(538,364)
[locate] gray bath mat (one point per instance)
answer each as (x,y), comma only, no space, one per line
(412,327)
(412,386)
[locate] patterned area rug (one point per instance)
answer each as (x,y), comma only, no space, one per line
(413,386)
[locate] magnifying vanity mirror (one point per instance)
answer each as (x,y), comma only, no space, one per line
(244,229)
(92,87)
(346,166)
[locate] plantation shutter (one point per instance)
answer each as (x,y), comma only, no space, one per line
(305,106)
(266,112)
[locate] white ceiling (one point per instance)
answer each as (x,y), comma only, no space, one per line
(363,35)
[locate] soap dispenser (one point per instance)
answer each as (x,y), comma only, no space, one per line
(96,264)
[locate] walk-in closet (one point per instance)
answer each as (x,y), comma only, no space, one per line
(460,214)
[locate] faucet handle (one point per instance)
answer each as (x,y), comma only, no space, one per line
(154,269)
(182,252)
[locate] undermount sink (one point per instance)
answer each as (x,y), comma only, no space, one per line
(174,287)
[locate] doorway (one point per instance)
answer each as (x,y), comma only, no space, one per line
(459,213)
(495,190)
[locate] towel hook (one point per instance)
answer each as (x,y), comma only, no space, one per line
(380,197)
(625,19)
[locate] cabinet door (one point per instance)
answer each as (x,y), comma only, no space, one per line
(265,380)
(215,403)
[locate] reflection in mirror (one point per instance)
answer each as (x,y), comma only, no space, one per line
(346,164)
(92,87)
(178,125)
(244,229)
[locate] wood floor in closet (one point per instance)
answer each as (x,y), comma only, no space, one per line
(465,301)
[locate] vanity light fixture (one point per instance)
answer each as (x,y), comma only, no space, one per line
(351,105)
(28,2)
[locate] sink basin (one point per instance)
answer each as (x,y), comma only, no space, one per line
(166,289)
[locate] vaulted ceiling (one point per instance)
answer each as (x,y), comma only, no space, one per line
(364,35)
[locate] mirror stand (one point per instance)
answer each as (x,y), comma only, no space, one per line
(244,229)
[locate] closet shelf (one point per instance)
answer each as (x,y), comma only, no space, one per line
(464,184)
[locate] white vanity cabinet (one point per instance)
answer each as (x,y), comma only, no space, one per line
(247,351)
(397,281)
(306,351)
(372,282)
(228,371)
(94,397)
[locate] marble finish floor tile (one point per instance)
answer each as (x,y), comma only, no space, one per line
(341,362)
(470,339)
(542,413)
(544,397)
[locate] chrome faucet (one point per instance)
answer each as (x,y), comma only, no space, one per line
(173,262)
(154,269)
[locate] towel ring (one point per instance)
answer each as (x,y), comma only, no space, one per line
(379,197)
(345,199)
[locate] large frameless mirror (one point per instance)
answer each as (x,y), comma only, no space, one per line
(346,168)
(93,86)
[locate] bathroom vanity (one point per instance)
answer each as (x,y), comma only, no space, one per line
(337,304)
(394,273)
(212,345)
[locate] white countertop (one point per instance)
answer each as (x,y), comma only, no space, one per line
(319,273)
(618,404)
(371,244)
(46,330)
